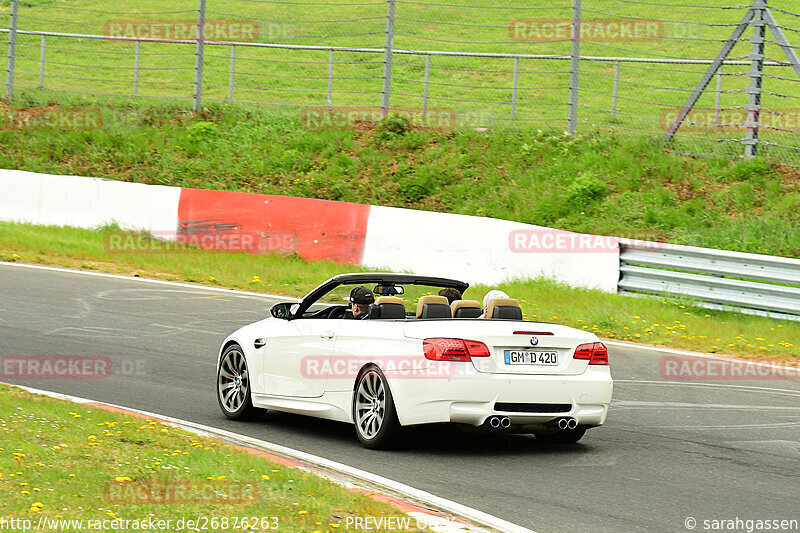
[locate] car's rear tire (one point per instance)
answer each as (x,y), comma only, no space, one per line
(374,413)
(566,436)
(233,385)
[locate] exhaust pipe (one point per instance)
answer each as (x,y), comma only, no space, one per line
(565,423)
(497,422)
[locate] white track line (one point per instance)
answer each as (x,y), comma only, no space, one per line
(366,479)
(155,281)
(701,355)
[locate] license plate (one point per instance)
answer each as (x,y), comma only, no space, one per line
(527,357)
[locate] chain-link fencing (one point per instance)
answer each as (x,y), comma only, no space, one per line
(573,65)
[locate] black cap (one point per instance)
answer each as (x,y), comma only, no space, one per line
(362,295)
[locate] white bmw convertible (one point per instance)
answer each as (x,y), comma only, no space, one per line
(426,363)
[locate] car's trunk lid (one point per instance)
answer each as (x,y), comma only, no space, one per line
(515,347)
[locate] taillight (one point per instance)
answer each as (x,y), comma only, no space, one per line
(453,349)
(595,352)
(477,349)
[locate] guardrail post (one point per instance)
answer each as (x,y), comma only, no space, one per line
(616,90)
(232,71)
(198,64)
(12,48)
(514,89)
(387,59)
(136,68)
(574,68)
(758,22)
(41,61)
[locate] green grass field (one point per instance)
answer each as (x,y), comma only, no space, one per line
(656,321)
(62,461)
(479,90)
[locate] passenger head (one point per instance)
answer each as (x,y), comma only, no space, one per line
(491,295)
(451,294)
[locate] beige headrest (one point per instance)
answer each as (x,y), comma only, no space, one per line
(390,300)
(430,300)
(460,304)
(501,302)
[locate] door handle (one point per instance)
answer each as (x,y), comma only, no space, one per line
(326,334)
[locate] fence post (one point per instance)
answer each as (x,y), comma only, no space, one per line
(514,89)
(198,63)
(756,74)
(330,78)
(12,48)
(41,61)
(136,68)
(616,90)
(717,100)
(574,68)
(387,59)
(427,78)
(233,70)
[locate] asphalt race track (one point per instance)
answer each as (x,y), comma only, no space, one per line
(670,449)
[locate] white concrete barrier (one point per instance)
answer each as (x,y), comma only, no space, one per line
(475,249)
(487,250)
(86,202)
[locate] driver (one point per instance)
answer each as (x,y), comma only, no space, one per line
(360,300)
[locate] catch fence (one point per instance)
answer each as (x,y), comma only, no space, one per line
(727,75)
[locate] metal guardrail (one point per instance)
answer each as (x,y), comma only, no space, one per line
(715,279)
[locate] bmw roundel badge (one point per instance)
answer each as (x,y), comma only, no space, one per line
(534,341)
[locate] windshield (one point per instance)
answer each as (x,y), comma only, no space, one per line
(339,296)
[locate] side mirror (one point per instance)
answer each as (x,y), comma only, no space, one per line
(282,310)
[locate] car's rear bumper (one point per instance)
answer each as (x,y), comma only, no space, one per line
(471,399)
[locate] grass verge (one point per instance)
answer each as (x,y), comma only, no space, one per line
(66,461)
(656,321)
(600,182)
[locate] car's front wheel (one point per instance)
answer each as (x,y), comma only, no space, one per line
(374,413)
(233,384)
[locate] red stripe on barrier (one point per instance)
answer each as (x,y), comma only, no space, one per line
(259,223)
